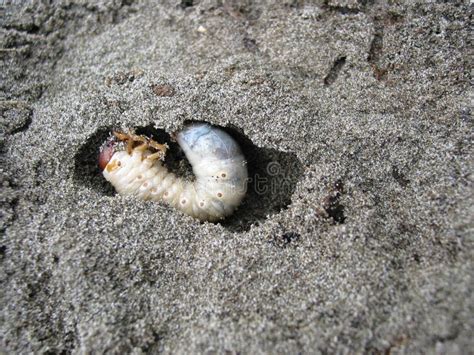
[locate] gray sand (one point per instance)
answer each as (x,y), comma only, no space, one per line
(356,119)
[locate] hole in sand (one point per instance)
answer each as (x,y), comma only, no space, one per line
(273,175)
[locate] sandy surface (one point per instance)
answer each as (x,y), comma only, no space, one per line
(355,117)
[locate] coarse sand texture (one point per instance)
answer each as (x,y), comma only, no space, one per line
(356,231)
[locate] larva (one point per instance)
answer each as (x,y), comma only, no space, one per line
(218,165)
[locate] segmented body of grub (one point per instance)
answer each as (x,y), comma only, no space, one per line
(218,165)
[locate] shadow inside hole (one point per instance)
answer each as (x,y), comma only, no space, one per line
(273,174)
(175,160)
(86,164)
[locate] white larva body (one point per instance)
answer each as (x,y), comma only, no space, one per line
(218,165)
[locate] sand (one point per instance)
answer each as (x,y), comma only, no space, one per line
(357,232)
